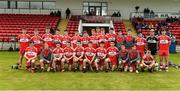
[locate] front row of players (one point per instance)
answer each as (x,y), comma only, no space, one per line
(88,58)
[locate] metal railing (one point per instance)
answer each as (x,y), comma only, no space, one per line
(26,11)
(158,15)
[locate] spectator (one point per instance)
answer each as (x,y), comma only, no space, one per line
(118,14)
(68,12)
(59,13)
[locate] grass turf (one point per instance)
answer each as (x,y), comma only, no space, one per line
(20,79)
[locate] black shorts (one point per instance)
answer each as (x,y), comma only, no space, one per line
(153,52)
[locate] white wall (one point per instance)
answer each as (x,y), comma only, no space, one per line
(125,6)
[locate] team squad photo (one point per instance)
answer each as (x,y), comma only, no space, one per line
(89,44)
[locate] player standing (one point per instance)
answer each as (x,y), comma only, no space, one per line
(57,39)
(140,45)
(23,40)
(152,43)
(75,38)
(111,36)
(65,39)
(48,38)
(129,40)
(37,40)
(119,40)
(94,40)
(164,42)
(85,39)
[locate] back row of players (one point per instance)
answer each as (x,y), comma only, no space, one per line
(100,50)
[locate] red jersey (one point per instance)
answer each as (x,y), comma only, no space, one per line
(57,52)
(140,43)
(85,41)
(112,51)
(89,52)
(164,42)
(74,40)
(111,37)
(79,51)
(23,40)
(94,40)
(129,41)
(48,38)
(148,59)
(119,39)
(68,52)
(103,38)
(65,39)
(57,38)
(31,52)
(133,55)
(101,52)
(37,41)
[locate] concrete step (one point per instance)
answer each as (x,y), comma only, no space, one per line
(63,25)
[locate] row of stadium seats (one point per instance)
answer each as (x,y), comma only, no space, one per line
(73,24)
(175,30)
(119,26)
(11,24)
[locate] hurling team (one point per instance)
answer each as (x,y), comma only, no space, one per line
(97,51)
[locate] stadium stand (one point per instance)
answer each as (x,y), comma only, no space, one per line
(73,25)
(119,26)
(11,24)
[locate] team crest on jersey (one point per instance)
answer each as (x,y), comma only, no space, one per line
(24,40)
(112,53)
(47,39)
(163,41)
(140,43)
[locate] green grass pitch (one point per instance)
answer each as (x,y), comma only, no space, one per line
(22,80)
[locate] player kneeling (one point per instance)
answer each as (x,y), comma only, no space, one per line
(112,52)
(58,55)
(46,57)
(100,58)
(78,56)
(134,60)
(30,55)
(148,62)
(123,58)
(68,57)
(90,54)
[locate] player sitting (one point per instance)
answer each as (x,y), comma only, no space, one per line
(30,55)
(123,58)
(134,60)
(57,56)
(46,57)
(148,62)
(68,57)
(112,52)
(100,58)
(90,54)
(78,56)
